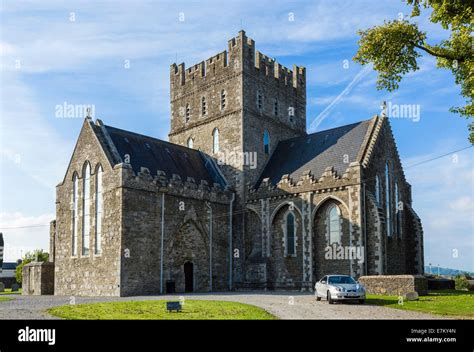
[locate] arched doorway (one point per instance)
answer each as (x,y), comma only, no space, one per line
(188,277)
(331,238)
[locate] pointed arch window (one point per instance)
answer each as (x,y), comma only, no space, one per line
(398,211)
(190,142)
(86,207)
(377,189)
(334,224)
(98,211)
(266,142)
(75,200)
(388,199)
(215,141)
(290,239)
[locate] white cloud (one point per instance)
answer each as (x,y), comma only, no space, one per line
(23,233)
(443,198)
(464,204)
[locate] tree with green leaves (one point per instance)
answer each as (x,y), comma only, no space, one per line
(394,48)
(36,256)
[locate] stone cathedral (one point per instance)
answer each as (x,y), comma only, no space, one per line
(240,198)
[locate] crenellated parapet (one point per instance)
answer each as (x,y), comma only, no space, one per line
(241,57)
(173,184)
(327,182)
(269,67)
(217,68)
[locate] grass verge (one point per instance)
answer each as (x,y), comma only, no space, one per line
(8,291)
(446,302)
(144,310)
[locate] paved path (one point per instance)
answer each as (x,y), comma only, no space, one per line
(278,303)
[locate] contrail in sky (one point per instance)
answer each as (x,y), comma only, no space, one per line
(317,121)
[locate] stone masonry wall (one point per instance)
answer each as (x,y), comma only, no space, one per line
(395,249)
(91,274)
(38,278)
(186,236)
(394,285)
(285,271)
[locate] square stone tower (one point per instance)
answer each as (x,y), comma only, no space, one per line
(236,106)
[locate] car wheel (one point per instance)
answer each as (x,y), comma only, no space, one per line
(361,301)
(330,301)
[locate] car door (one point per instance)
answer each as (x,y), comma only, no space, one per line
(321,287)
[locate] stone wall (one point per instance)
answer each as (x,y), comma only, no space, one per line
(241,72)
(208,79)
(398,250)
(38,278)
(92,274)
(187,236)
(285,271)
(322,265)
(394,285)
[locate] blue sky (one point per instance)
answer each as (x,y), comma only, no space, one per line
(54,52)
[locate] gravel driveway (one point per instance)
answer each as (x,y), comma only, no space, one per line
(284,305)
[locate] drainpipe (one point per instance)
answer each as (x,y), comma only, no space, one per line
(230,239)
(210,245)
(162,240)
(365,229)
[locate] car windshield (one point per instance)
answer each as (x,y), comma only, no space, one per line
(341,280)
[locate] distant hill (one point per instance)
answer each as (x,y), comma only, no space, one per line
(446,271)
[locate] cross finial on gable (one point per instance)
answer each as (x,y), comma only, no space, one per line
(383,107)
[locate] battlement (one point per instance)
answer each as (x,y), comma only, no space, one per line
(270,67)
(182,75)
(241,56)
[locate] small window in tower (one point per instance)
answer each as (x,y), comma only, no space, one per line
(190,142)
(203,106)
(223,99)
(188,113)
(259,100)
(291,113)
(266,142)
(275,107)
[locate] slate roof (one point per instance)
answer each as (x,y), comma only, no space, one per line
(156,154)
(315,152)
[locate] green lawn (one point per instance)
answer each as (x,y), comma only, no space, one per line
(8,291)
(4,298)
(192,310)
(445,302)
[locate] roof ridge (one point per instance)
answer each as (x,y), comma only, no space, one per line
(150,137)
(335,128)
(329,129)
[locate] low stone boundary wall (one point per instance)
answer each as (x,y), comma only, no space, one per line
(395,285)
(38,278)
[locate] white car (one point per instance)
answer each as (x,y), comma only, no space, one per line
(339,288)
